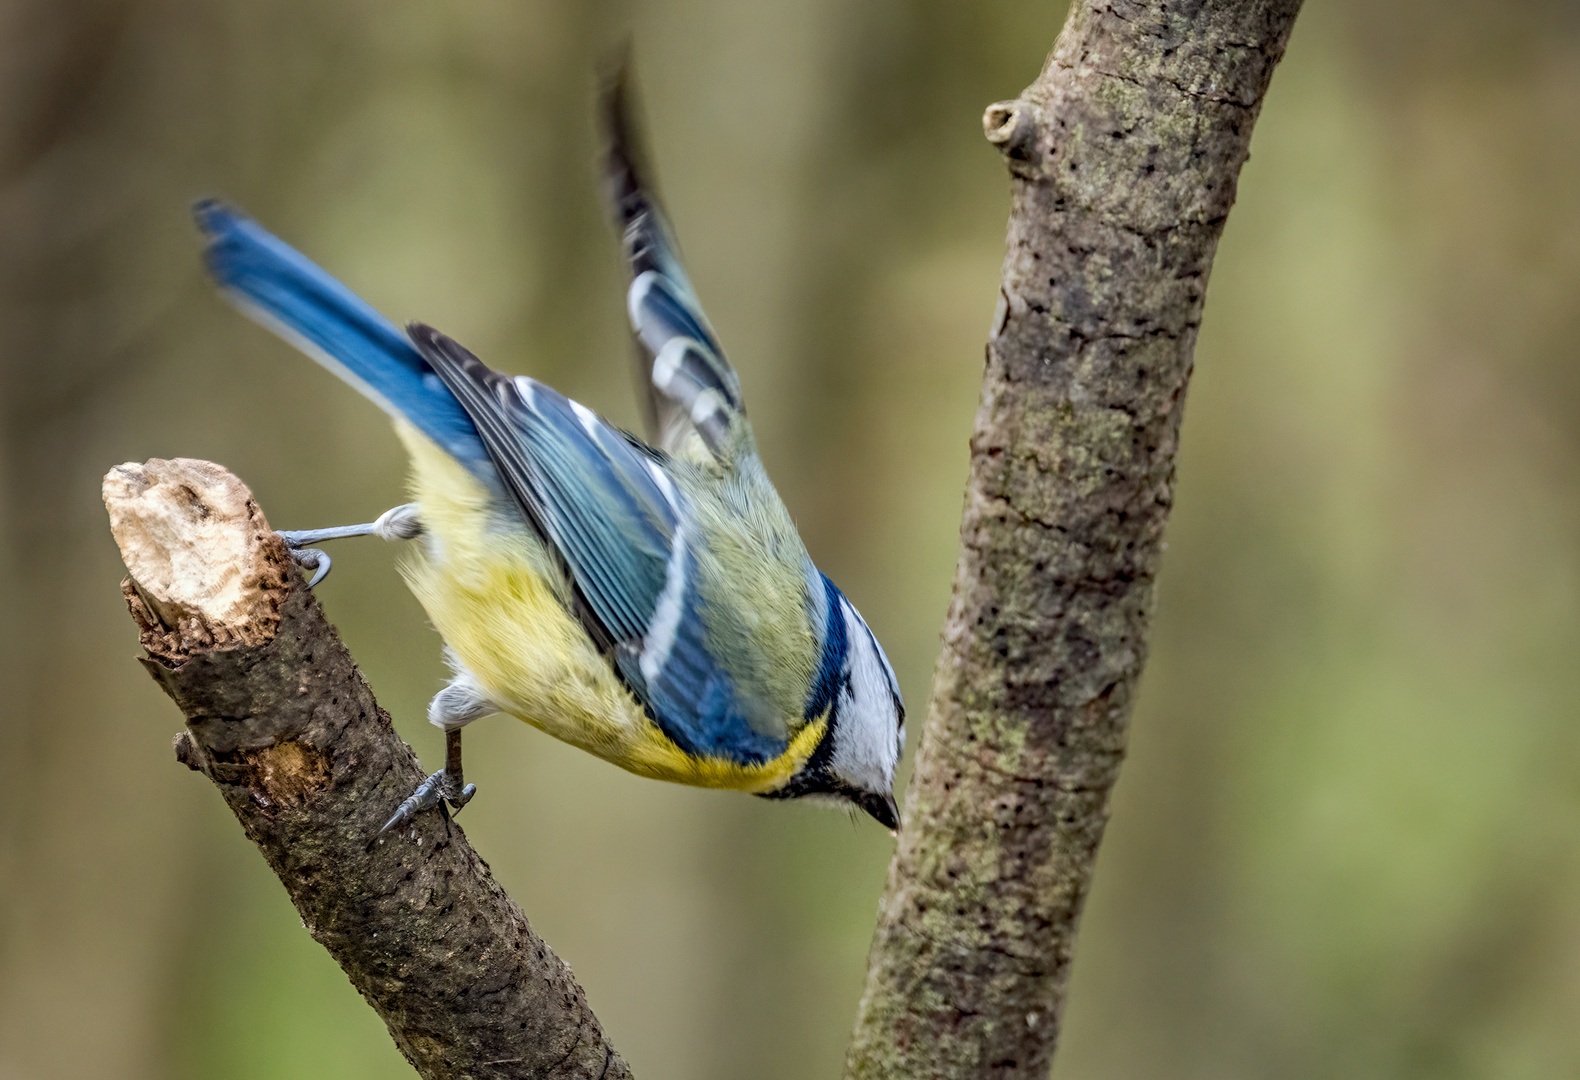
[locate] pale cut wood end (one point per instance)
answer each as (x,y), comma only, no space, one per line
(204,563)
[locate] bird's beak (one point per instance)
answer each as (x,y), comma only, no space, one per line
(883,809)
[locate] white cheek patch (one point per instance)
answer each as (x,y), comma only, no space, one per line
(866,745)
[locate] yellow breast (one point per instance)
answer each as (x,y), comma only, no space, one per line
(499,601)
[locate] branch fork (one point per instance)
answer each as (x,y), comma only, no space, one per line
(1072,474)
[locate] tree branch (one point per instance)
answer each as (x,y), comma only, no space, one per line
(1124,156)
(283,723)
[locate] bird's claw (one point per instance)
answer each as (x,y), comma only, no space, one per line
(312,559)
(426,797)
(439,788)
(308,558)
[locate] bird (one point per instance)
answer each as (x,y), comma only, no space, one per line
(650,602)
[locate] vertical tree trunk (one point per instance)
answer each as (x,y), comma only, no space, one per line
(1125,154)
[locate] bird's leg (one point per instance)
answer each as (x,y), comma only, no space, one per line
(446,785)
(452,708)
(459,792)
(398,523)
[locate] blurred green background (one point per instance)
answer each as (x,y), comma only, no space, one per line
(1347,843)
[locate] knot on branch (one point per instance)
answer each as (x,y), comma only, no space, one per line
(1012,127)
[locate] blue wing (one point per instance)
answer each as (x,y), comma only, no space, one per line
(606,504)
(295,298)
(690,385)
(598,498)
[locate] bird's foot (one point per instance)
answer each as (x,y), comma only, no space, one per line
(440,788)
(397,523)
(309,559)
(448,785)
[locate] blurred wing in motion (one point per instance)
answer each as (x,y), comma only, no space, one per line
(692,389)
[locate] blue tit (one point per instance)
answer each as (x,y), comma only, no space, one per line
(651,603)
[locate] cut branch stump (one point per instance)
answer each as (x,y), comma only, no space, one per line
(281,720)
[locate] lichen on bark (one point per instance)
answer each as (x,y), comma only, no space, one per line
(1124,156)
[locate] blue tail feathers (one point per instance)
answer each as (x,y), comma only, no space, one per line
(294,297)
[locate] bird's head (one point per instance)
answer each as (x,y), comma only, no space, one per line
(854,762)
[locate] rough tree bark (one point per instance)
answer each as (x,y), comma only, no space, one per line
(283,723)
(1124,154)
